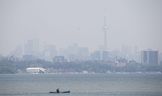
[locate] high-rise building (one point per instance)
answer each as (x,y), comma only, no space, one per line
(149,57)
(49,52)
(31,47)
(76,53)
(96,55)
(100,55)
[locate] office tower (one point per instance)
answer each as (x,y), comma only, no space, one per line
(31,47)
(149,57)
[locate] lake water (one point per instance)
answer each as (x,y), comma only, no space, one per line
(81,84)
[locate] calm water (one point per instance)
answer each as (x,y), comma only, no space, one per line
(81,84)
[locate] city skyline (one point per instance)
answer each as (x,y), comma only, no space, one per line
(35,49)
(130,23)
(34,46)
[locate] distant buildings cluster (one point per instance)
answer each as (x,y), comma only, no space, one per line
(32,50)
(34,58)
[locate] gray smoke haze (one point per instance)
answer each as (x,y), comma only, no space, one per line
(64,22)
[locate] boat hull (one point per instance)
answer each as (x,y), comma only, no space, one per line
(60,92)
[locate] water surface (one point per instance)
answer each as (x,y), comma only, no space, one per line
(81,84)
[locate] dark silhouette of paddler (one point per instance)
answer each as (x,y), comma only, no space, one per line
(57,90)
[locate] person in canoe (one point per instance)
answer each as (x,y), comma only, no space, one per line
(57,90)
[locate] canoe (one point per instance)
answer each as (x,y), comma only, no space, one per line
(65,92)
(59,92)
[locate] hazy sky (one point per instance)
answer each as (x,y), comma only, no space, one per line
(64,22)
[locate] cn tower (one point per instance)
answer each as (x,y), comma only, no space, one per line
(105,29)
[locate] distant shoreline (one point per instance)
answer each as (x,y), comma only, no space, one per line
(85,73)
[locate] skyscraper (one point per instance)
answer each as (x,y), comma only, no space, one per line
(31,47)
(150,57)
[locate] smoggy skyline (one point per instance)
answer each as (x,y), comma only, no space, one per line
(65,22)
